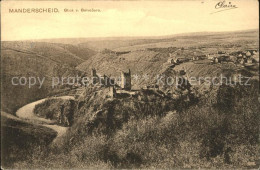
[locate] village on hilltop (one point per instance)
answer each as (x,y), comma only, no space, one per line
(244,58)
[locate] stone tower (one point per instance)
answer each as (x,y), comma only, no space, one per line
(94,76)
(112,91)
(126,80)
(93,72)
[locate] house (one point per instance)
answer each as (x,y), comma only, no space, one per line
(248,54)
(252,51)
(181,59)
(242,61)
(249,61)
(225,58)
(215,60)
(211,56)
(221,52)
(197,58)
(171,61)
(255,52)
(255,58)
(233,58)
(176,60)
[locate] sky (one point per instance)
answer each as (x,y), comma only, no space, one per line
(124,18)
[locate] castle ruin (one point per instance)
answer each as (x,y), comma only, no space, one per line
(112,91)
(94,76)
(126,80)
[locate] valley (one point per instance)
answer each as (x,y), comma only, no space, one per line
(139,124)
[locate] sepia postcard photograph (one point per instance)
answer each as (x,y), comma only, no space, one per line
(130,84)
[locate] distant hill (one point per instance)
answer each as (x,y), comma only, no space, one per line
(61,53)
(150,57)
(135,42)
(36,59)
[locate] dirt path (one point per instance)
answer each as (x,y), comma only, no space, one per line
(26,112)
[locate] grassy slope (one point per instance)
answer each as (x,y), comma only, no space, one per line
(146,132)
(60,53)
(125,133)
(140,62)
(36,60)
(20,138)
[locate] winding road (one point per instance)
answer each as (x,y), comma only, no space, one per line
(27,112)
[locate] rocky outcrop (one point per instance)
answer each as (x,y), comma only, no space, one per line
(61,111)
